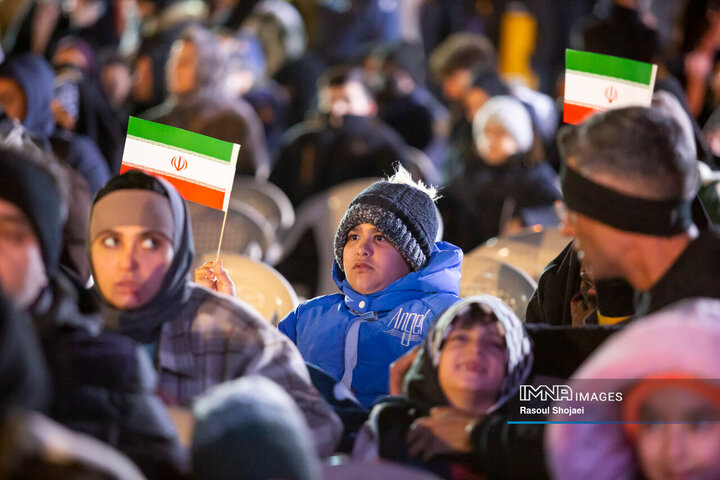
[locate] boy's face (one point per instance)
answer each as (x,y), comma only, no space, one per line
(679,450)
(370,261)
(129,264)
(496,144)
(472,367)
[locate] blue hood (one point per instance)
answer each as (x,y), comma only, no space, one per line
(37,78)
(440,275)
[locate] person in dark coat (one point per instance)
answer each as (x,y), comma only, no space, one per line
(281,31)
(348,141)
(621,31)
(629,183)
(344,30)
(103,383)
(199,100)
(502,191)
(88,111)
(27,83)
(403,102)
(452,416)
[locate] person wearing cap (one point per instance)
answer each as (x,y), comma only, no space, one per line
(112,396)
(141,251)
(250,428)
(504,188)
(393,277)
(665,367)
(629,180)
(452,415)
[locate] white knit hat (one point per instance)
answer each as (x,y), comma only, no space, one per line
(511,115)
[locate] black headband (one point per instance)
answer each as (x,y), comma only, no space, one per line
(662,218)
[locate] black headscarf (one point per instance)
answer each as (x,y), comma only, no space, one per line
(143,324)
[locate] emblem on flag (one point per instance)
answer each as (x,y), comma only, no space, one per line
(180,163)
(611,94)
(594,83)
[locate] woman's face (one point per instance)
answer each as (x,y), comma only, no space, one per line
(130,263)
(496,144)
(472,367)
(181,73)
(680,437)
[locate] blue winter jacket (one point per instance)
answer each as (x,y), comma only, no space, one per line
(368,332)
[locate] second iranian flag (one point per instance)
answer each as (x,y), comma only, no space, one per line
(595,83)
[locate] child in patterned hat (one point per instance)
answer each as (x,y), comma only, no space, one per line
(393,277)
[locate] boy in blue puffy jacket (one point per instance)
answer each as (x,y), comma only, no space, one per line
(393,278)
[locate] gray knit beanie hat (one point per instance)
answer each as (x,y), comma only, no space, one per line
(405,214)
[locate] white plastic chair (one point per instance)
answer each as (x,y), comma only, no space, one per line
(246,230)
(488,275)
(530,250)
(258,284)
(265,197)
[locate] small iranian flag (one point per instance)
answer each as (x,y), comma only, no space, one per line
(595,83)
(200,167)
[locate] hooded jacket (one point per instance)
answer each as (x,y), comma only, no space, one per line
(368,332)
(495,446)
(99,385)
(680,339)
(36,78)
(209,110)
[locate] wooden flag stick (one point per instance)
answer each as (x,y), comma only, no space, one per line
(222,231)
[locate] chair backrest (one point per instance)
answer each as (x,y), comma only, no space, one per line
(488,275)
(267,198)
(246,230)
(530,250)
(420,166)
(259,285)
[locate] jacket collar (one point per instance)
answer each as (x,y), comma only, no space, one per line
(440,275)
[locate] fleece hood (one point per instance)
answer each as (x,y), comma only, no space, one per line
(37,78)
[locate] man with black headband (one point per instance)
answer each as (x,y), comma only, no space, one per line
(629,180)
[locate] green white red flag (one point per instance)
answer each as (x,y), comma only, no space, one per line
(200,167)
(595,83)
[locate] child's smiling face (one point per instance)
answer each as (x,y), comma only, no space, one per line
(472,366)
